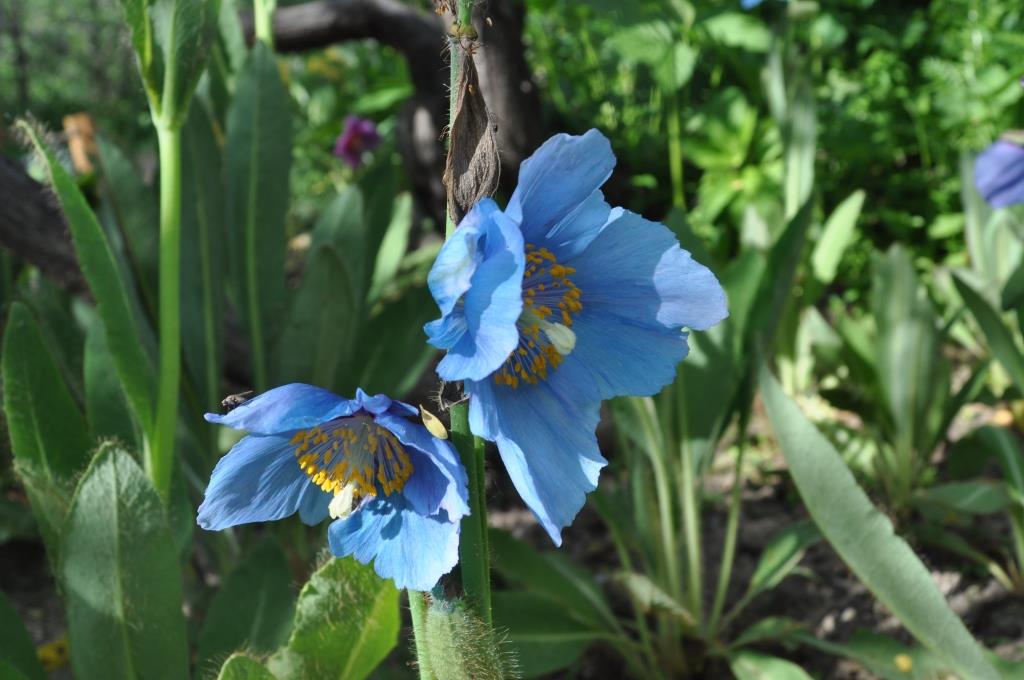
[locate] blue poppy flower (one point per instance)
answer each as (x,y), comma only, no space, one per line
(396,492)
(999,174)
(555,304)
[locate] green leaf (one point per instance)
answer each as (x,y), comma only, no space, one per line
(184,31)
(835,237)
(750,665)
(150,60)
(776,287)
(782,555)
(1013,292)
(203,248)
(913,375)
(242,667)
(259,155)
(49,437)
(651,597)
(346,623)
(543,636)
(120,576)
(390,355)
(1000,341)
(136,209)
(253,609)
(975,497)
(553,576)
(105,403)
(735,29)
(317,340)
(393,246)
(342,225)
(864,537)
(100,269)
(774,628)
(800,136)
(16,648)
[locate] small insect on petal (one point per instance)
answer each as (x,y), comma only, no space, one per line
(433,424)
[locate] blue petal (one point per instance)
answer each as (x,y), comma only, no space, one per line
(441,455)
(314,504)
(413,550)
(547,443)
(999,174)
(453,269)
(557,178)
(639,289)
(257,481)
(486,265)
(379,404)
(579,228)
(289,407)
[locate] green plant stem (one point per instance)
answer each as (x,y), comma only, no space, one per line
(691,531)
(263,18)
(729,547)
(418,612)
(161,459)
(675,151)
(474,553)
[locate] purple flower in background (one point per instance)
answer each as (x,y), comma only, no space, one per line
(999,174)
(358,136)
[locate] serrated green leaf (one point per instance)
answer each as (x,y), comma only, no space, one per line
(100,269)
(49,437)
(242,667)
(346,623)
(16,648)
(259,154)
(253,609)
(864,538)
(120,576)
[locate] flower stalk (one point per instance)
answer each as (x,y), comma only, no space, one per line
(160,455)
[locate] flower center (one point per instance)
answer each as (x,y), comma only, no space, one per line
(550,302)
(353,455)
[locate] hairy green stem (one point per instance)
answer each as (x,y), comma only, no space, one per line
(418,612)
(161,454)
